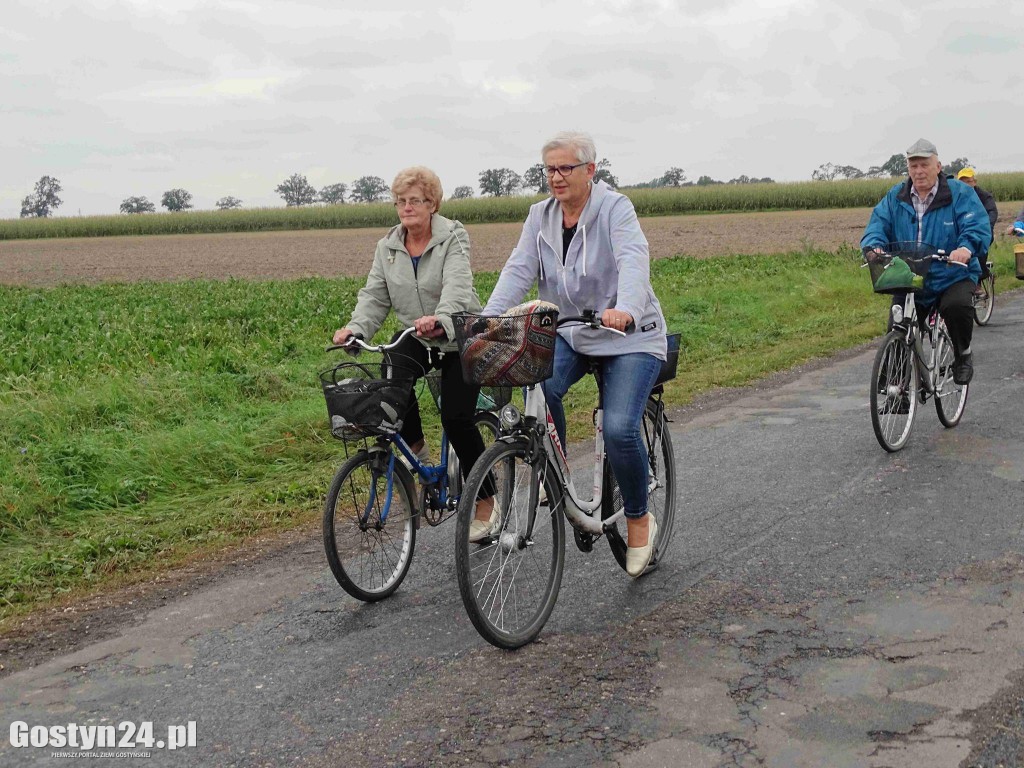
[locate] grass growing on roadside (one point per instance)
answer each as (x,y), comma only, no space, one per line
(142,423)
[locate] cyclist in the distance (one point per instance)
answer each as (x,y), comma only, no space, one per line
(968,177)
(945,213)
(584,249)
(1018,224)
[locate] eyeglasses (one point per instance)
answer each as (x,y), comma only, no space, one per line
(562,170)
(415,202)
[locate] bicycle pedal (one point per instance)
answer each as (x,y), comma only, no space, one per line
(584,540)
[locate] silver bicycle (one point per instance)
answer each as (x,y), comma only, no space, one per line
(915,361)
(509,582)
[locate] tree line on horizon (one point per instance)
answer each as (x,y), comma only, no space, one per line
(493,182)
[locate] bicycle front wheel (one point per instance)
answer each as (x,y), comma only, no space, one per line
(509,581)
(661,490)
(985,302)
(894,386)
(950,397)
(369,534)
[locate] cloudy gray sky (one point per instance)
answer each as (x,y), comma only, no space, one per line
(229,97)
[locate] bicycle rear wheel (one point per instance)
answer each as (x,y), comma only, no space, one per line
(950,397)
(661,491)
(894,386)
(369,541)
(509,582)
(984,304)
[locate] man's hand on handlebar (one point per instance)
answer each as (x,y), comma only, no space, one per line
(960,255)
(341,336)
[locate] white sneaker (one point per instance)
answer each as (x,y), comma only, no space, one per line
(638,558)
(481,529)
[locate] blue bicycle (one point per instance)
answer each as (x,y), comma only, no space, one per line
(373,509)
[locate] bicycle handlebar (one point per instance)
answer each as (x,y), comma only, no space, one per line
(355,342)
(589,317)
(939,256)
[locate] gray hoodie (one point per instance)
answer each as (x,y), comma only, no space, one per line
(607,267)
(440,285)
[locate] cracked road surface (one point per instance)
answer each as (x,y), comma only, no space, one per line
(823,603)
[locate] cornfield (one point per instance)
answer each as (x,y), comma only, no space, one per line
(718,198)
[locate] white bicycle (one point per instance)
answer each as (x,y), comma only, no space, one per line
(509,581)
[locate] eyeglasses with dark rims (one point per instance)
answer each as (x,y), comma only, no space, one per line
(562,170)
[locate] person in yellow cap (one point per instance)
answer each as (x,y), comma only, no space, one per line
(969,177)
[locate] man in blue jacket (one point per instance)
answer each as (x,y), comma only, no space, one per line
(947,214)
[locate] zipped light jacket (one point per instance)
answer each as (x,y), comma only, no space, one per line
(607,267)
(441,284)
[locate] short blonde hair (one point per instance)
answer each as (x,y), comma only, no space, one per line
(418,176)
(575,141)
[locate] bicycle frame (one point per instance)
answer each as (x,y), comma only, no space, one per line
(429,474)
(927,369)
(577,510)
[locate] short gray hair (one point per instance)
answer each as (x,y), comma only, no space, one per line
(577,141)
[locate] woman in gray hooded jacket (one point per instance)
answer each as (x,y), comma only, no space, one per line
(421,271)
(585,250)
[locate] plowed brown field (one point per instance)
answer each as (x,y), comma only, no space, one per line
(305,253)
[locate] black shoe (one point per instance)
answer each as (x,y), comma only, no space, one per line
(963,369)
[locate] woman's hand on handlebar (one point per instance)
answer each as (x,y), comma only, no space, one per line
(341,336)
(428,327)
(616,319)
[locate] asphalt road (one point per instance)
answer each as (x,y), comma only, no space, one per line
(823,603)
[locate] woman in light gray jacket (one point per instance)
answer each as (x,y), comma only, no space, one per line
(585,250)
(421,271)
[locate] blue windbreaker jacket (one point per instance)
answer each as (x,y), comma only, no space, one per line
(955,219)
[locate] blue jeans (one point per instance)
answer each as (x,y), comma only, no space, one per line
(627,381)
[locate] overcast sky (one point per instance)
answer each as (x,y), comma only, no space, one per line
(229,97)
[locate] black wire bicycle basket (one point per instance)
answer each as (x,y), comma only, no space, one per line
(369,399)
(511,350)
(901,267)
(489,399)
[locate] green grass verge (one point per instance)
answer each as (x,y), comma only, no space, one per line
(141,424)
(804,195)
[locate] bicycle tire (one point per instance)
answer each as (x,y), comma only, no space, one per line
(509,583)
(369,561)
(894,386)
(983,306)
(661,500)
(950,397)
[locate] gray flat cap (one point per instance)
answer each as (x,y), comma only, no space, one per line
(922,148)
